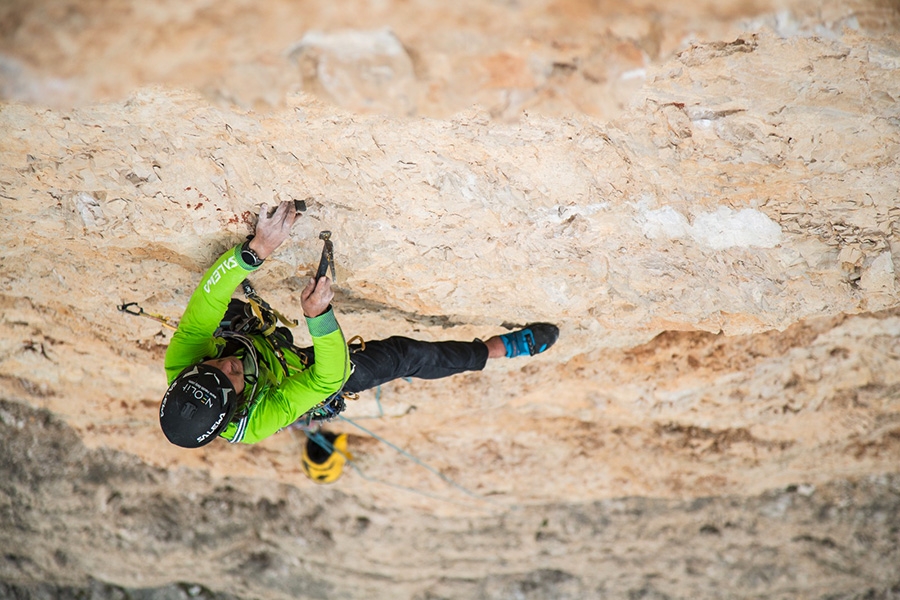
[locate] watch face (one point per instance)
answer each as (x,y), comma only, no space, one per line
(250,257)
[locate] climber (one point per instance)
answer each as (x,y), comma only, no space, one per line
(245,388)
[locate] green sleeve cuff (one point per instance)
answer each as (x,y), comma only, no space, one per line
(323,324)
(240,261)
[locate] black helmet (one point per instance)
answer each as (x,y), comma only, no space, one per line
(197,406)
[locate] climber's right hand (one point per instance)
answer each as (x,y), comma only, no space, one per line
(316,297)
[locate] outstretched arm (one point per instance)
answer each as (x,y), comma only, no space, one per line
(193,340)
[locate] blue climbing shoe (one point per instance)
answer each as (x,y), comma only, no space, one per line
(530,340)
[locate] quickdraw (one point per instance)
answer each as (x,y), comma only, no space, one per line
(268,316)
(133,308)
(257,317)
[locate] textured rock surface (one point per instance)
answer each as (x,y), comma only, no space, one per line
(706,204)
(128,523)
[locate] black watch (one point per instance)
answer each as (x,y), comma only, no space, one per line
(249,256)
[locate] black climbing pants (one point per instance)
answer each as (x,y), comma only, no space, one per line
(397,357)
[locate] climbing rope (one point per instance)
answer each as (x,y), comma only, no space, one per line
(418,461)
(319,439)
(380,414)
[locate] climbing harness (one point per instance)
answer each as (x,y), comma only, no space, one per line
(267,317)
(257,317)
(334,404)
(133,308)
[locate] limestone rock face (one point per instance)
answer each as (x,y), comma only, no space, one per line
(368,69)
(706,205)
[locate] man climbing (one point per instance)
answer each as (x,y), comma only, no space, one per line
(245,388)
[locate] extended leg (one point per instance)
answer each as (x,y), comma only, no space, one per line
(397,357)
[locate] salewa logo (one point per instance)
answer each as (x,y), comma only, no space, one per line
(212,429)
(216,275)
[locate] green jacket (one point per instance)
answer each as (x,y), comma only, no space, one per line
(280,399)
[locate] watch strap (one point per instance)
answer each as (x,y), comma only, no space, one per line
(249,256)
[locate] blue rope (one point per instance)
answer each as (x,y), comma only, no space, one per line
(377,403)
(417,461)
(322,441)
